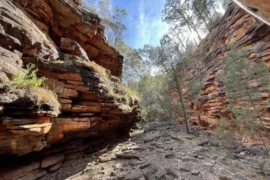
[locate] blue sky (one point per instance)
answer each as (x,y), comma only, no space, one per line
(144,25)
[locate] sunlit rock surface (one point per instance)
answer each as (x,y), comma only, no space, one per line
(63,41)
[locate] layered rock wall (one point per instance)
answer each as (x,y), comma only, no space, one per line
(48,126)
(63,19)
(207,64)
(258,8)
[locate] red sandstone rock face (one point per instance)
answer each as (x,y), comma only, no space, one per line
(258,8)
(80,91)
(65,20)
(58,37)
(252,36)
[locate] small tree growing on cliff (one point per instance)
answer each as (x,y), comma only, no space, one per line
(169,59)
(241,84)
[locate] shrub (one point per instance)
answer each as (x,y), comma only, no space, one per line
(27,86)
(27,78)
(130,94)
(242,96)
(226,130)
(145,112)
(194,87)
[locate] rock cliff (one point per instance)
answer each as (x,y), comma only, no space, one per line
(207,66)
(83,100)
(258,8)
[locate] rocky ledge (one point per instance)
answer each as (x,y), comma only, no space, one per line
(83,101)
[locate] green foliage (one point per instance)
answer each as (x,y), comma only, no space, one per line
(194,16)
(226,131)
(224,128)
(153,92)
(145,112)
(28,86)
(112,18)
(241,94)
(130,94)
(123,95)
(194,87)
(27,78)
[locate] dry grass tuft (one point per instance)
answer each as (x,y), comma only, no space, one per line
(123,95)
(43,96)
(130,94)
(94,67)
(125,108)
(39,97)
(27,86)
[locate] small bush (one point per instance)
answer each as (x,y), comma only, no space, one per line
(27,78)
(38,97)
(226,131)
(94,67)
(242,95)
(145,111)
(194,88)
(130,94)
(27,86)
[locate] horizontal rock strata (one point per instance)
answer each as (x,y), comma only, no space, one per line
(259,8)
(250,35)
(42,128)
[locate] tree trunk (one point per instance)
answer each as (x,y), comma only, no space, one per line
(195,42)
(163,106)
(207,12)
(197,32)
(181,98)
(190,24)
(261,121)
(180,40)
(200,14)
(214,8)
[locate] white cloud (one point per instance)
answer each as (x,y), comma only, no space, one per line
(150,27)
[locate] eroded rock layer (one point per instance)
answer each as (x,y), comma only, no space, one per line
(63,19)
(258,8)
(251,36)
(47,126)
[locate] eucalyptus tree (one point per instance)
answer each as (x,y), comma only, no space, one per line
(112,18)
(196,16)
(117,27)
(179,14)
(169,58)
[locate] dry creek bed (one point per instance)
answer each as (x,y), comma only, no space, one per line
(163,151)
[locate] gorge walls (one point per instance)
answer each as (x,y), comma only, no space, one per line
(206,67)
(258,8)
(83,99)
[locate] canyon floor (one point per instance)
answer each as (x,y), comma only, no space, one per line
(165,151)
